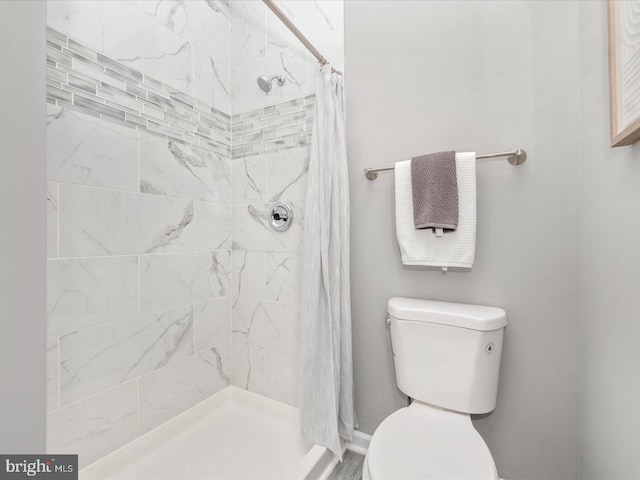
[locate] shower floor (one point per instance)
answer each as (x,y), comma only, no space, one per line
(233,435)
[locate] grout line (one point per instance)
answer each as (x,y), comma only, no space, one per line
(192,53)
(265,300)
(139,261)
(137,406)
(138,186)
(265,21)
(155,312)
(97,394)
(122,255)
(197,252)
(59,205)
(58,367)
(229,333)
(265,161)
(134,192)
(193,328)
(264,276)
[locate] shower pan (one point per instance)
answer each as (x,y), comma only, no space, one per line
(233,435)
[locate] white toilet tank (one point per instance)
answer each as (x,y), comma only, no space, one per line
(447,354)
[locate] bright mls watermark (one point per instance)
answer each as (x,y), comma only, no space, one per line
(45,467)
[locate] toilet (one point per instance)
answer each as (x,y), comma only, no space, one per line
(447,359)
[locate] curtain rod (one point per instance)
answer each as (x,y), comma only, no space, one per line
(514,157)
(296,31)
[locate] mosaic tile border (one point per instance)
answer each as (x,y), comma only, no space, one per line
(82,78)
(274,128)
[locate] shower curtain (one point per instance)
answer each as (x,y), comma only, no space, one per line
(326,380)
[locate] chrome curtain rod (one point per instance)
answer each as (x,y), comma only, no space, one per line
(514,157)
(296,31)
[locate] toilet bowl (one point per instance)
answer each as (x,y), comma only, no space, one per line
(425,442)
(447,358)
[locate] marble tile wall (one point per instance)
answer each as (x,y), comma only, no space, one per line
(262,45)
(139,288)
(270,160)
(139,217)
(83,79)
(165,282)
(184,45)
(267,272)
(274,128)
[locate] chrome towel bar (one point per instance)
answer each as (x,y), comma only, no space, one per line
(514,157)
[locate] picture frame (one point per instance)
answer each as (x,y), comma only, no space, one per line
(624,71)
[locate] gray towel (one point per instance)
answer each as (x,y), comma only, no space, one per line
(435,191)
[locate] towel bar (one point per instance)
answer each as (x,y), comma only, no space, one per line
(514,157)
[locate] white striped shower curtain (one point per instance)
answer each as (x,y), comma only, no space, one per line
(326,375)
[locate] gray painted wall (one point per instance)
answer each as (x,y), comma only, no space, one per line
(481,76)
(22,216)
(609,267)
(495,94)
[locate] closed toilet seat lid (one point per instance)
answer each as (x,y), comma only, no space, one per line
(424,442)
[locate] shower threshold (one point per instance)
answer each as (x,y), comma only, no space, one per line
(234,434)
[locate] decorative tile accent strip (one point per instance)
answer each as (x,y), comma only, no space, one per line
(81,78)
(274,128)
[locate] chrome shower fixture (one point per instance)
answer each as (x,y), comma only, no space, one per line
(265,82)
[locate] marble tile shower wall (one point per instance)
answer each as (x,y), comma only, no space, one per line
(139,217)
(165,283)
(262,45)
(270,159)
(266,268)
(184,44)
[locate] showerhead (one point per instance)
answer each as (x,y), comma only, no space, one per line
(266,83)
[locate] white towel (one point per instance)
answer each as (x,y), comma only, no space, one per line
(423,247)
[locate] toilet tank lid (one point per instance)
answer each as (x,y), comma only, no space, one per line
(474,317)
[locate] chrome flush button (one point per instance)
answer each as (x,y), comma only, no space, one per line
(489,348)
(281,217)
